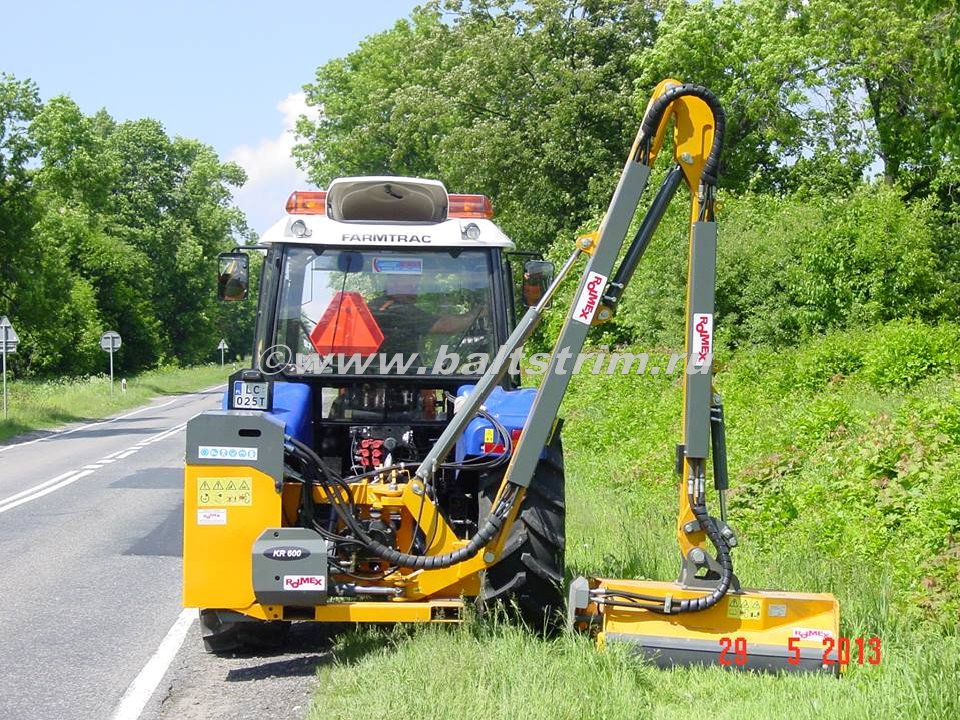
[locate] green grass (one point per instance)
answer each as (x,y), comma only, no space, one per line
(845,471)
(42,404)
(489,669)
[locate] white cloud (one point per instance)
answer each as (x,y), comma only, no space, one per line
(272,173)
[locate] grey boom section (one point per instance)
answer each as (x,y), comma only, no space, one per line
(700,340)
(546,406)
(494,374)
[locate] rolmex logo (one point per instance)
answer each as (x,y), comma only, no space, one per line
(304,582)
(703,337)
(814,634)
(589,299)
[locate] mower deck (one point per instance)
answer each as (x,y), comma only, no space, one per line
(750,630)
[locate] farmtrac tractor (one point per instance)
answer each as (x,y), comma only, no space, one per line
(379,463)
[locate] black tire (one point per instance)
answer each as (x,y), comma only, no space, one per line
(223,635)
(528,579)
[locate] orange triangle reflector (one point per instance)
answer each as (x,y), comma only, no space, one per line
(347,327)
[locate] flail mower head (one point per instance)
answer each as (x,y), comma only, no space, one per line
(761,630)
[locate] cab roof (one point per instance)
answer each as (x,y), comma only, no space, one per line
(386,211)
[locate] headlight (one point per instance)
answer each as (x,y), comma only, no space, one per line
(299,229)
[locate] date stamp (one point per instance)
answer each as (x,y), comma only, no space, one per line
(841,651)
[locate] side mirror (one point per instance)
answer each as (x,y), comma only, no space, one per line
(537,276)
(233,276)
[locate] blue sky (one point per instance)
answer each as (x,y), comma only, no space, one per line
(226,73)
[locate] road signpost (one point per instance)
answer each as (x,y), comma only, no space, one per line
(8,344)
(222,347)
(110,343)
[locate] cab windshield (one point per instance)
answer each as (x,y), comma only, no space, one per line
(386,312)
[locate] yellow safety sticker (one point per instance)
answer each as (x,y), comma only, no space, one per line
(743,608)
(488,435)
(222,491)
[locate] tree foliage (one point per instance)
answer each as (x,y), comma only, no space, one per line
(535,103)
(107,225)
(524,103)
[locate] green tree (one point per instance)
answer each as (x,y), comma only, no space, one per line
(171,202)
(526,103)
(817,91)
(77,174)
(19,104)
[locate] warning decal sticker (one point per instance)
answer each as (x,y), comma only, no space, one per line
(743,608)
(220,491)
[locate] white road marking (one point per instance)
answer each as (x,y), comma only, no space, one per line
(107,461)
(45,491)
(71,476)
(164,435)
(33,489)
(140,691)
(89,425)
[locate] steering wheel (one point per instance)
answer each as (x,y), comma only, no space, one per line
(475,327)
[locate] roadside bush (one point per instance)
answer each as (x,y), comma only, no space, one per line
(847,446)
(789,269)
(862,472)
(896,354)
(903,353)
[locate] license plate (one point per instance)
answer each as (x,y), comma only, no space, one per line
(249,395)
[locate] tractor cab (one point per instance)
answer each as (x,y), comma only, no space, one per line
(381,300)
(384,277)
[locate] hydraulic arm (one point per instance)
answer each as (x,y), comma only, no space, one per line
(686,621)
(698,122)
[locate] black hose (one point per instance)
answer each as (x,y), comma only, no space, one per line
(654,114)
(627,599)
(484,535)
(723,557)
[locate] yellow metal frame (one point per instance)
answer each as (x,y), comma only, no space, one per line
(693,134)
(774,615)
(761,618)
(217,569)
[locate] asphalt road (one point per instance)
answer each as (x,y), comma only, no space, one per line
(90,536)
(91,623)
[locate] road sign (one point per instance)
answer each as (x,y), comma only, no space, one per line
(8,344)
(110,342)
(8,336)
(222,347)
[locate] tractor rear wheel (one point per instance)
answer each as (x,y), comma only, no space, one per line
(221,634)
(528,579)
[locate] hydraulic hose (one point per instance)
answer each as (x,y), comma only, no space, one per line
(487,532)
(723,558)
(654,115)
(665,606)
